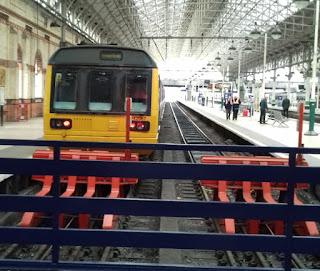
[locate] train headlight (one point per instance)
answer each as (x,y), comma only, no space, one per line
(141,126)
(60,123)
(133,126)
(66,123)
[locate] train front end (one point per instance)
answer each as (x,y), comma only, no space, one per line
(86,89)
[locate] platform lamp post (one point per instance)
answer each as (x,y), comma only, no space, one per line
(311,131)
(219,66)
(247,50)
(212,91)
(255,34)
(239,67)
(230,59)
(196,86)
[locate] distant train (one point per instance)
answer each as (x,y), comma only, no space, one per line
(86,89)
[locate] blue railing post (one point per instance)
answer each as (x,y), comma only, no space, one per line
(290,203)
(55,217)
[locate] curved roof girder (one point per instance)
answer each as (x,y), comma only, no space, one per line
(126,21)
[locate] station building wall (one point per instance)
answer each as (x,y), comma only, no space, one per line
(27,42)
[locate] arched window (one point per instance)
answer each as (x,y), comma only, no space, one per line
(38,76)
(19,61)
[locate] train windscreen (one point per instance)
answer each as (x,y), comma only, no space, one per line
(65,90)
(100,91)
(136,88)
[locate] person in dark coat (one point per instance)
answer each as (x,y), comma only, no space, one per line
(235,108)
(285,106)
(263,109)
(228,105)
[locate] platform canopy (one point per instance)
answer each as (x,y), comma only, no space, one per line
(201,30)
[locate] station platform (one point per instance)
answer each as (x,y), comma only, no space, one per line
(31,129)
(247,128)
(250,129)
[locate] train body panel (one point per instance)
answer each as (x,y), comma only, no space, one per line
(85,101)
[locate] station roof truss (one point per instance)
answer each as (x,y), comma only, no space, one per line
(191,28)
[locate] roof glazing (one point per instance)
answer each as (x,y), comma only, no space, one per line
(180,31)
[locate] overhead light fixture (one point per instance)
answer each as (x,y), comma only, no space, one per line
(209,64)
(255,33)
(301,3)
(248,50)
(218,65)
(218,58)
(276,32)
(230,58)
(54,24)
(232,48)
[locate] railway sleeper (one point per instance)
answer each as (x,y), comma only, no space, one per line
(262,191)
(32,219)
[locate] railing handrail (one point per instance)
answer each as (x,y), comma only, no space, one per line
(159,146)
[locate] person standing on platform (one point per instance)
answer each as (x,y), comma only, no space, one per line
(285,106)
(235,108)
(263,109)
(228,106)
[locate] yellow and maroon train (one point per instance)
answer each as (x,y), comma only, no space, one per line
(86,88)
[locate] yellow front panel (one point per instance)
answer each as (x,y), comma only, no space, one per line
(104,128)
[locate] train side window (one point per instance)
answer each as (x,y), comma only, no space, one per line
(100,91)
(65,90)
(136,88)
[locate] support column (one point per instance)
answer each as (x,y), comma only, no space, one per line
(308,79)
(289,77)
(238,94)
(311,131)
(264,67)
(223,74)
(222,89)
(273,101)
(63,25)
(189,91)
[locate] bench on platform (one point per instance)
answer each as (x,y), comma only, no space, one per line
(278,118)
(270,115)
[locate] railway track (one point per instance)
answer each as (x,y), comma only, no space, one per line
(192,134)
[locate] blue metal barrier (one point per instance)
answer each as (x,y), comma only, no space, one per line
(56,237)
